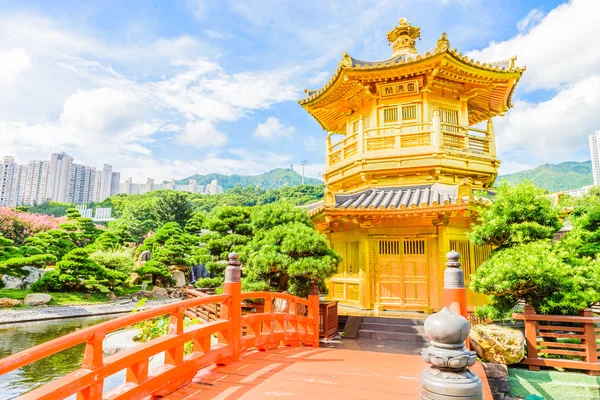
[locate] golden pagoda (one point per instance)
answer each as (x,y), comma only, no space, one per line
(410,153)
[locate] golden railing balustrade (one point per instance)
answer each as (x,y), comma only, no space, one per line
(410,138)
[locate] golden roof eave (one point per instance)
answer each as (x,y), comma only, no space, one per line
(349,70)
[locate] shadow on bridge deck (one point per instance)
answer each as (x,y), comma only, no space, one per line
(312,373)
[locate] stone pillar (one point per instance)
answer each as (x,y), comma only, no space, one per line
(449,377)
(454,294)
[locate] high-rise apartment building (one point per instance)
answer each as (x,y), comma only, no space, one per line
(81,186)
(33,183)
(114,183)
(149,185)
(103,183)
(595,150)
(214,188)
(59,177)
(10,174)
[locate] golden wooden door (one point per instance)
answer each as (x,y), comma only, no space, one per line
(414,263)
(402,274)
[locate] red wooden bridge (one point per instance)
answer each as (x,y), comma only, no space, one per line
(257,356)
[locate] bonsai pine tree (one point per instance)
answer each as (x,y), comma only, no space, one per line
(230,230)
(518,214)
(159,272)
(195,224)
(77,271)
(56,242)
(7,250)
(169,246)
(286,251)
(525,265)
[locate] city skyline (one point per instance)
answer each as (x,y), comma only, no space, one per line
(199,87)
(62,180)
(58,179)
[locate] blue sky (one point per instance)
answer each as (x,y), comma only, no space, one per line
(169,88)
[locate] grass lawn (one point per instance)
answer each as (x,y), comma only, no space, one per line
(553,385)
(71,298)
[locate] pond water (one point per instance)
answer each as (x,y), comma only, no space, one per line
(18,337)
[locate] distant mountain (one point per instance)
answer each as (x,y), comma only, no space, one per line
(274,179)
(555,177)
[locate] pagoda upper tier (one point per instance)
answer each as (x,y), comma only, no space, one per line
(489,86)
(409,119)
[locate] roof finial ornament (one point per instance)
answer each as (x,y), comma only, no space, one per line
(346,60)
(403,38)
(442,44)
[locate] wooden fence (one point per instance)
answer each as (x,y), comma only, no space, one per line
(561,341)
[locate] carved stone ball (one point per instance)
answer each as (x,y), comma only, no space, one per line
(447,327)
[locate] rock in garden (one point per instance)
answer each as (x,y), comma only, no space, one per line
(112,296)
(497,371)
(134,278)
(37,299)
(145,256)
(159,292)
(183,268)
(179,278)
(6,302)
(498,344)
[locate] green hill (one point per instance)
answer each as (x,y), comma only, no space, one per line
(274,179)
(555,177)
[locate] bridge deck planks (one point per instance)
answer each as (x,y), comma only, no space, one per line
(315,374)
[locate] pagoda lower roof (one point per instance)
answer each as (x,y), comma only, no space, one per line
(399,198)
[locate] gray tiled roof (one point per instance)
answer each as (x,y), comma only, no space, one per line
(405,197)
(390,61)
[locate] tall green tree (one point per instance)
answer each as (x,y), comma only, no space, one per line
(174,207)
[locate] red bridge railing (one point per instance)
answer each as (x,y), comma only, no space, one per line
(263,331)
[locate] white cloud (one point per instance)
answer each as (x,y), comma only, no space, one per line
(558,50)
(202,134)
(215,35)
(560,58)
(273,128)
(531,19)
(12,63)
(556,129)
(71,91)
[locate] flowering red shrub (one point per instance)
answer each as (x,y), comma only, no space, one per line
(18,226)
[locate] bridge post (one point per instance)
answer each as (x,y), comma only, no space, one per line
(454,294)
(233,310)
(313,298)
(449,376)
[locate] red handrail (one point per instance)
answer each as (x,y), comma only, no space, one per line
(266,330)
(44,350)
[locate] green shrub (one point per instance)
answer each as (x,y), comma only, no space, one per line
(118,259)
(204,283)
